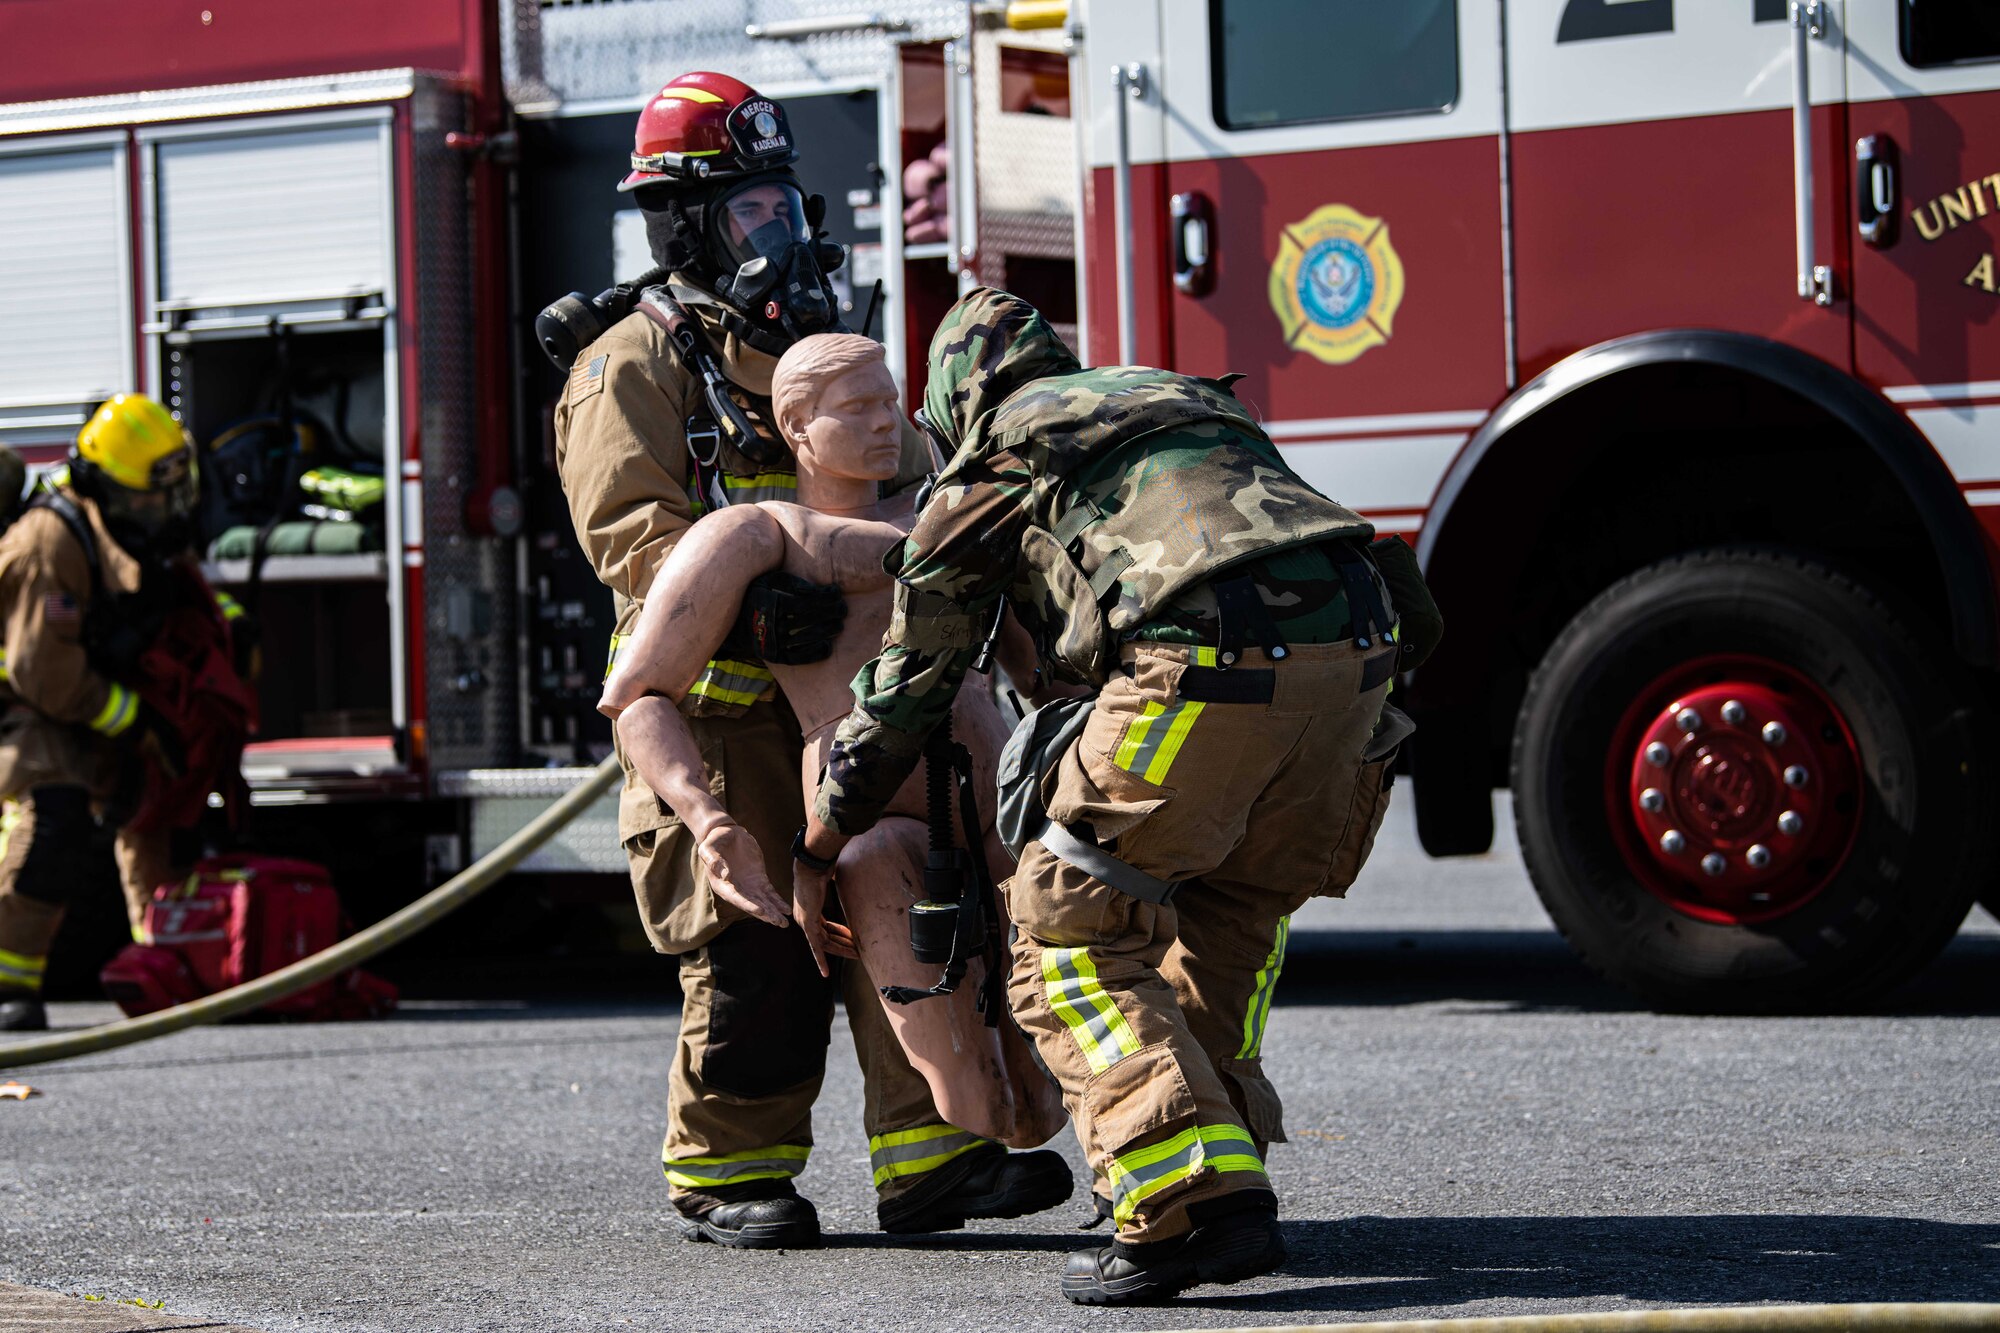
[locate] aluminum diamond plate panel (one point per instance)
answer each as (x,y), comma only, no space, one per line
(468,607)
(588,843)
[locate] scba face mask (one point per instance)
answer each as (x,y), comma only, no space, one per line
(760,240)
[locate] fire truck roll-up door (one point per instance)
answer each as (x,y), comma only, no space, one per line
(287,218)
(66,301)
(272,282)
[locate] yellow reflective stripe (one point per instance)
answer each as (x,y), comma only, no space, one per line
(23,971)
(912,1152)
(1138,1175)
(764,486)
(1079,999)
(786,481)
(611,655)
(121,709)
(1154,738)
(3,664)
(733,682)
(1170,745)
(701,95)
(900,1138)
(231,608)
(1260,995)
(1205,657)
(782,1161)
(1135,736)
(1217,1142)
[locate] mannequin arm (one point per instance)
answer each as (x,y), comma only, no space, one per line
(692,605)
(665,755)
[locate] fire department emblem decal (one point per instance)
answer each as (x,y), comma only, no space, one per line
(1336,283)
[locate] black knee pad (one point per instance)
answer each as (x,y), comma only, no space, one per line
(770,1014)
(57,863)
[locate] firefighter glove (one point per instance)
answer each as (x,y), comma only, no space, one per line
(788,620)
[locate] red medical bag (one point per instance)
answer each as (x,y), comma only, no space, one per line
(232,920)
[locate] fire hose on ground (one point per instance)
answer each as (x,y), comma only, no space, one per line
(357,948)
(1912,1317)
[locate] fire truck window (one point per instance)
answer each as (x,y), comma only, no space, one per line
(1290,62)
(1949,32)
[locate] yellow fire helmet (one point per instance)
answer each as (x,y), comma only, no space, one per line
(134,459)
(135,442)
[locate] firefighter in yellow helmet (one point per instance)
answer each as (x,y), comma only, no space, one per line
(73,728)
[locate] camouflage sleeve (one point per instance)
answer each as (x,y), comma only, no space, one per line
(956,564)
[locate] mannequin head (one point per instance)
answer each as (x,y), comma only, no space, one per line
(836,406)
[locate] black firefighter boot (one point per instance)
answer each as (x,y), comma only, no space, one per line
(988,1181)
(757,1215)
(1234,1237)
(22,1011)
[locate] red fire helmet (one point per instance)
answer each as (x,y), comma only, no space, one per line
(705,127)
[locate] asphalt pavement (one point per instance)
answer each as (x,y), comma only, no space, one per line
(1478,1127)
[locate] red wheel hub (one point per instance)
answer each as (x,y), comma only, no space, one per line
(1734,789)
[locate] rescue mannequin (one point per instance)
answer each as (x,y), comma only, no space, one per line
(835,404)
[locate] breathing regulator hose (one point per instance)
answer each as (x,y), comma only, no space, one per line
(357,948)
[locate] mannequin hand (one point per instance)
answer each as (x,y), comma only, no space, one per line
(736,873)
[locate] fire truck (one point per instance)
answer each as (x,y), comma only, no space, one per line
(1665,330)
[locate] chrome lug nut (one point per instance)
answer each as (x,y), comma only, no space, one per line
(1789,823)
(1673,842)
(1657,754)
(1688,720)
(1758,856)
(1652,799)
(1796,776)
(1713,864)
(1775,733)
(1733,713)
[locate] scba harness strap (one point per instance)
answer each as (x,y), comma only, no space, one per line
(957,917)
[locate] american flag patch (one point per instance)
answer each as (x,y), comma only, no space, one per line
(59,608)
(587,378)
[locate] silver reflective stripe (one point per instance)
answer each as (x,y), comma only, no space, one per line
(912,1152)
(1259,1010)
(1080,1000)
(1137,1175)
(787,1159)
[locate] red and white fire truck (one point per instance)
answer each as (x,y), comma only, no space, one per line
(1666,330)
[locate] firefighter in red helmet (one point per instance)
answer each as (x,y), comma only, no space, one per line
(646,442)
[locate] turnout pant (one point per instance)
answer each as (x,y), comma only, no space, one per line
(756,1014)
(50,775)
(1151,1016)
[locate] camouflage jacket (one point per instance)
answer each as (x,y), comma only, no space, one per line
(1090,499)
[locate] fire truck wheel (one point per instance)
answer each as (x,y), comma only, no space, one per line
(1742,785)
